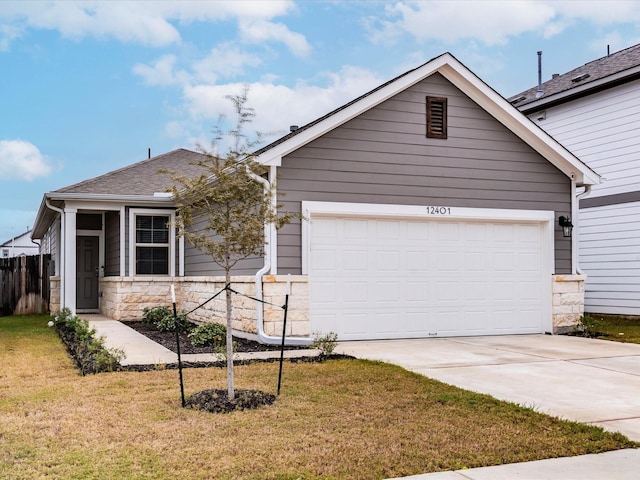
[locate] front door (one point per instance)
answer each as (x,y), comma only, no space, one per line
(87,249)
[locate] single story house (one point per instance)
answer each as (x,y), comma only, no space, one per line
(431,207)
(19,245)
(594,111)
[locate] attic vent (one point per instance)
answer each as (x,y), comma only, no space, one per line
(436,117)
(579,78)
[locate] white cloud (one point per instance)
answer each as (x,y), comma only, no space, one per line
(279,106)
(225,60)
(144,22)
(8,33)
(494,22)
(161,72)
(22,161)
(260,31)
(491,22)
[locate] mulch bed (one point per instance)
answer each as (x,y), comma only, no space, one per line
(168,340)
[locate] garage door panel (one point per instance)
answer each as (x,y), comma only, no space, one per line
(418,278)
(354,292)
(387,292)
(447,321)
(388,260)
(355,260)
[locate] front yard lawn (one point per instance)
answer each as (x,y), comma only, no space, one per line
(341,419)
(614,327)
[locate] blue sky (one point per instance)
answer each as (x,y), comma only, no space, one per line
(88,87)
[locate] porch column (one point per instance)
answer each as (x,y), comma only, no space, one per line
(69,278)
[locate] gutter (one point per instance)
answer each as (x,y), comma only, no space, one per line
(574,246)
(262,336)
(60,249)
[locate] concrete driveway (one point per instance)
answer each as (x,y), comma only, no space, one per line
(586,380)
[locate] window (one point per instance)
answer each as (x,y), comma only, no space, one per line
(5,253)
(436,117)
(152,244)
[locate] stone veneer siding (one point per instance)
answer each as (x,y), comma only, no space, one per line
(54,294)
(124,298)
(568,301)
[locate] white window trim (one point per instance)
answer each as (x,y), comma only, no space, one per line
(133,212)
(332,209)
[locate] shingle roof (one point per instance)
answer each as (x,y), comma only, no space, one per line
(588,73)
(141,178)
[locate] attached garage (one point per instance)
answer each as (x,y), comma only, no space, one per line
(381,271)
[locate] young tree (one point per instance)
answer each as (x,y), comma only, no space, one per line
(230,208)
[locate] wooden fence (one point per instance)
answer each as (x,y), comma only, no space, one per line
(24,285)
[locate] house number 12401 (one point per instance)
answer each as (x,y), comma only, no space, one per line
(439,210)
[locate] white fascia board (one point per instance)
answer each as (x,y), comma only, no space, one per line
(100,197)
(274,155)
(519,124)
(314,209)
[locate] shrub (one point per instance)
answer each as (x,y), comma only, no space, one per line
(155,314)
(168,323)
(89,352)
(208,335)
(588,326)
(162,318)
(326,344)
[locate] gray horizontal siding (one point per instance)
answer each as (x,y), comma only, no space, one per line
(198,263)
(384,157)
(112,244)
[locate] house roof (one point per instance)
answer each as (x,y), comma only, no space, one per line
(605,72)
(9,242)
(140,178)
(139,182)
(459,75)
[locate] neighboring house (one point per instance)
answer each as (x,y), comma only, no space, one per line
(594,111)
(430,206)
(19,245)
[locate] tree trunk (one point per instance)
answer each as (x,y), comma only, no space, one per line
(230,389)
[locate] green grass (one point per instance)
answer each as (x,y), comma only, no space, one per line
(341,419)
(615,328)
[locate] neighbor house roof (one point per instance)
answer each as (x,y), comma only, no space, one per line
(139,182)
(605,72)
(12,240)
(460,76)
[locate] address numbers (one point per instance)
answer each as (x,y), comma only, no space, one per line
(439,210)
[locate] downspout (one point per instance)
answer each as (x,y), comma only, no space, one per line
(60,249)
(263,337)
(575,214)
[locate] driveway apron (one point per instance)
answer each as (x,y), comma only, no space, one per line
(586,380)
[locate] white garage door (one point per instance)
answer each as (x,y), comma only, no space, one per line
(379,278)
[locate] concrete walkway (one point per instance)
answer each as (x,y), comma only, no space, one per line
(617,465)
(579,379)
(140,350)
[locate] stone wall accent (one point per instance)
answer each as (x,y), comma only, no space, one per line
(568,301)
(124,298)
(54,295)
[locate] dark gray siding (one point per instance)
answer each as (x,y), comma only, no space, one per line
(197,263)
(112,244)
(384,156)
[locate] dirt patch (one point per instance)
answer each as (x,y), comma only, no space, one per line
(217,400)
(168,340)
